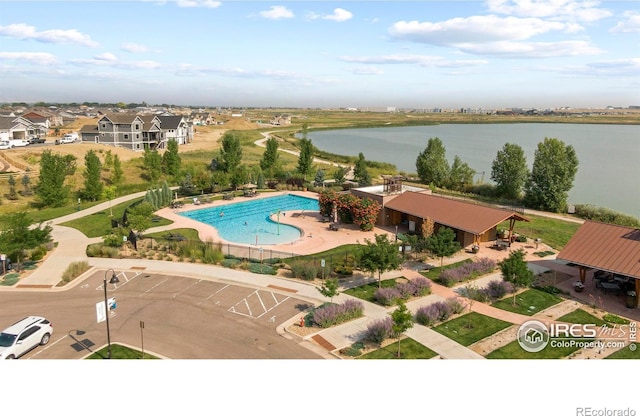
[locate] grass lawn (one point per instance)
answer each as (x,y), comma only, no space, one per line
(528,302)
(513,350)
(470,328)
(120,352)
(367,291)
(626,353)
(409,349)
(189,233)
(580,316)
(553,232)
(434,274)
(99,223)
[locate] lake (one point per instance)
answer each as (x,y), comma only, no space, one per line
(609,155)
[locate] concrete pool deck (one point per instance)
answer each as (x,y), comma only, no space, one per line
(316,236)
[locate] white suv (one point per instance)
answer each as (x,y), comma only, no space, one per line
(23,336)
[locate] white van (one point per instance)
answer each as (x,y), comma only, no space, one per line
(18,143)
(68,138)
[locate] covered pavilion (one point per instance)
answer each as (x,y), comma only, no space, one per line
(609,248)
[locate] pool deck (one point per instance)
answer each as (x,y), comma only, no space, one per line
(316,236)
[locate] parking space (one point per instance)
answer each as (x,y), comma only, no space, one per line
(184,318)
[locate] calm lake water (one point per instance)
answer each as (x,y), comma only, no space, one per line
(609,155)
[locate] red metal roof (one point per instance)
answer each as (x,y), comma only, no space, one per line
(472,218)
(608,247)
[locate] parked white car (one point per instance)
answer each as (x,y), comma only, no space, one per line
(5,145)
(17,143)
(68,138)
(23,336)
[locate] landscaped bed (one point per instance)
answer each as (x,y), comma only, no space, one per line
(529,302)
(471,327)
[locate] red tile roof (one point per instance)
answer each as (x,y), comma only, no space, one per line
(608,247)
(472,218)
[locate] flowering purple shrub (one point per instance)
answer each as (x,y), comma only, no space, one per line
(334,314)
(455,305)
(422,286)
(443,309)
(496,289)
(406,290)
(427,315)
(379,330)
(386,296)
(466,271)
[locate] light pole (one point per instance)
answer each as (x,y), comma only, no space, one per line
(112,280)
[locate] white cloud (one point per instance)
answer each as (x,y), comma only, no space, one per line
(422,60)
(494,35)
(532,49)
(617,67)
(133,47)
(631,24)
(110,60)
(210,4)
(107,56)
(365,70)
(277,12)
(584,11)
(476,29)
(39,58)
(26,32)
(339,15)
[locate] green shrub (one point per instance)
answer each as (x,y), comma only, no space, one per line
(615,319)
(10,279)
(100,250)
(310,271)
(230,263)
(262,268)
(38,253)
(297,269)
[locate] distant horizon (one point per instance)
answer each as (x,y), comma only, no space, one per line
(427,54)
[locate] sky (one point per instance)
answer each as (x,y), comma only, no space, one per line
(324,54)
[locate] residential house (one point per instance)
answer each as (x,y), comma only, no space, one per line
(281,120)
(17,128)
(176,128)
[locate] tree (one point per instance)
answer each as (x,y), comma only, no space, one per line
(509,171)
(108,160)
(26,184)
(230,153)
(460,175)
(443,243)
(402,321)
(92,181)
(329,288)
(139,216)
(339,174)
(109,193)
(360,172)
(54,168)
(270,157)
(13,194)
(514,270)
(380,256)
(305,159)
(319,179)
(20,234)
(431,165)
(117,173)
(554,169)
(171,159)
(153,163)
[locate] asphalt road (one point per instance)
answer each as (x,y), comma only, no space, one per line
(184,318)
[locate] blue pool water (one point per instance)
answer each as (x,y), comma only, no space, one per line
(242,222)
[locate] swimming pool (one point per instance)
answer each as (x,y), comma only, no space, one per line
(244,222)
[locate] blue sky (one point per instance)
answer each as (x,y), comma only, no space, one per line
(420,54)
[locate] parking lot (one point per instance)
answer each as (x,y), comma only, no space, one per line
(173,316)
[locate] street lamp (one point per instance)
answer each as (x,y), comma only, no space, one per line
(113,280)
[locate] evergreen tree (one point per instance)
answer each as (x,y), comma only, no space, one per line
(51,190)
(92,181)
(431,165)
(509,171)
(26,184)
(13,195)
(360,172)
(554,168)
(171,159)
(319,179)
(108,161)
(270,156)
(305,159)
(460,175)
(230,153)
(166,194)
